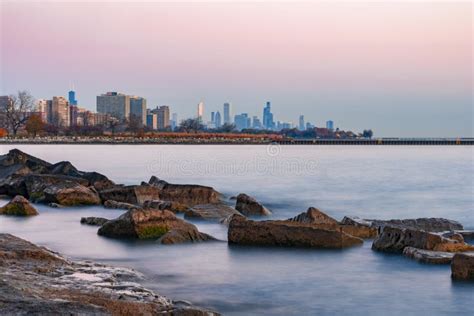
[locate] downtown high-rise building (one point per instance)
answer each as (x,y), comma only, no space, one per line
(200,111)
(59,112)
(138,109)
(227,113)
(301,124)
(72,97)
(163,115)
(330,125)
(115,104)
(242,121)
(268,122)
(174,121)
(217,120)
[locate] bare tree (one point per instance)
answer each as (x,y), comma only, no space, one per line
(18,109)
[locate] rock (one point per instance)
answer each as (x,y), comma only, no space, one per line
(174,207)
(70,194)
(462,266)
(466,234)
(233,198)
(355,221)
(426,224)
(18,206)
(395,239)
(37,281)
(428,256)
(131,194)
(178,236)
(140,223)
(314,216)
(189,194)
(94,221)
(213,212)
(286,233)
(248,206)
(321,220)
(55,205)
(119,205)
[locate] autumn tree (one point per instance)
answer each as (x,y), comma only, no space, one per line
(34,124)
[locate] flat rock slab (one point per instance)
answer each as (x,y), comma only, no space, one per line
(462,266)
(428,256)
(212,212)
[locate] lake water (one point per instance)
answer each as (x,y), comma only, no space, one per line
(367,181)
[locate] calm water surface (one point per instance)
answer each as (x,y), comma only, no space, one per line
(373,182)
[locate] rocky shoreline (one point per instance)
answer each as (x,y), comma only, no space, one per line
(150,210)
(36,280)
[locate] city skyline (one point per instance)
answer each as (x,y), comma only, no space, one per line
(407,74)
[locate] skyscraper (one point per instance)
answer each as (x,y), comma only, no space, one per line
(200,111)
(301,123)
(72,97)
(242,121)
(138,108)
(60,114)
(227,113)
(213,117)
(268,122)
(174,121)
(217,120)
(114,103)
(330,125)
(163,113)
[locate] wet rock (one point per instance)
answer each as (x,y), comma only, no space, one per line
(189,194)
(395,239)
(94,221)
(462,266)
(213,212)
(55,205)
(314,216)
(426,224)
(286,233)
(248,206)
(70,194)
(428,256)
(118,205)
(321,220)
(131,194)
(18,206)
(178,236)
(151,224)
(174,207)
(37,281)
(355,221)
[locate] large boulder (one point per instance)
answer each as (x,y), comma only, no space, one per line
(318,219)
(141,223)
(213,212)
(132,194)
(462,266)
(249,206)
(426,224)
(70,194)
(18,206)
(189,194)
(395,239)
(286,233)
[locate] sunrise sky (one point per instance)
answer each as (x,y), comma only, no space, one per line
(400,68)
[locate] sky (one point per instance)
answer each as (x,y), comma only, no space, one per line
(403,69)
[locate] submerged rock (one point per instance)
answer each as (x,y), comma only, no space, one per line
(18,206)
(428,256)
(94,221)
(462,266)
(286,233)
(140,223)
(249,206)
(214,212)
(118,205)
(395,239)
(37,281)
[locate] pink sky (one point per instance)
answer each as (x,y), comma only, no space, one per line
(322,59)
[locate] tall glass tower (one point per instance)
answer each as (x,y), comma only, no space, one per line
(72,97)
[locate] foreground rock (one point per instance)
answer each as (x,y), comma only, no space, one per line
(395,239)
(40,181)
(248,206)
(212,212)
(36,281)
(426,224)
(18,206)
(286,233)
(428,256)
(94,221)
(162,225)
(462,266)
(318,219)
